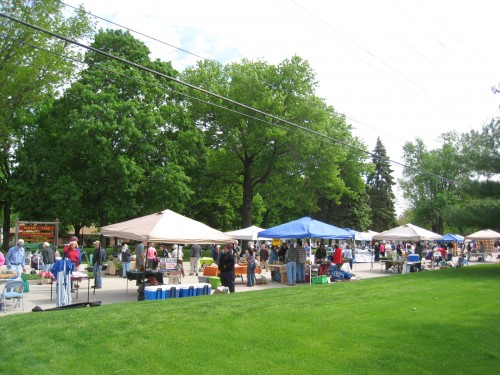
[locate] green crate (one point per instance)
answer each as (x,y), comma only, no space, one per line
(320,279)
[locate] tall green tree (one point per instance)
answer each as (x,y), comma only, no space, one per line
(253,154)
(29,76)
(479,205)
(116,145)
(379,188)
(431,181)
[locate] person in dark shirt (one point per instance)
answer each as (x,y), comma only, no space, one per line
(226,268)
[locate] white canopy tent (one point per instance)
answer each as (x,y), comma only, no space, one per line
(249,234)
(407,232)
(166,226)
(364,236)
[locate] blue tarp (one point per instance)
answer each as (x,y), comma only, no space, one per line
(452,238)
(306,228)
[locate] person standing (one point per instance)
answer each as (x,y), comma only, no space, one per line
(194,258)
(382,249)
(15,258)
(291,264)
(301,262)
(273,257)
(2,259)
(178,254)
(151,255)
(126,257)
(76,257)
(320,254)
(97,262)
(216,254)
(282,252)
(71,252)
(264,258)
(226,268)
(139,255)
(337,257)
(251,265)
(347,253)
(376,249)
(48,256)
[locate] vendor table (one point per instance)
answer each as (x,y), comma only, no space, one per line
(210,271)
(396,265)
(77,278)
(239,270)
(7,275)
(281,268)
(475,256)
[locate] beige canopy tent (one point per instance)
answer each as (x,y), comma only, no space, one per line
(486,238)
(486,234)
(166,226)
(407,232)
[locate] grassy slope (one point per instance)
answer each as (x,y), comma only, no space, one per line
(443,322)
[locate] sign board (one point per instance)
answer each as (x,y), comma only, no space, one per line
(36,232)
(167,264)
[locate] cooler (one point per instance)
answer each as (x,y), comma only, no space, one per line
(202,289)
(153,293)
(413,258)
(187,291)
(170,291)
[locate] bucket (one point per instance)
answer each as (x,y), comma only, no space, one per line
(214,281)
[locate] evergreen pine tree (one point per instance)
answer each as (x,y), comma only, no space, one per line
(379,189)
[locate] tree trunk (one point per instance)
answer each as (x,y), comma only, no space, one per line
(6,225)
(246,214)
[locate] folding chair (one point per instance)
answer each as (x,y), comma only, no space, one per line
(13,290)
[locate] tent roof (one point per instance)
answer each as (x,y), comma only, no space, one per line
(452,237)
(407,232)
(363,236)
(166,226)
(250,233)
(486,234)
(306,228)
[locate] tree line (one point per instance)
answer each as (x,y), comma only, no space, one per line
(90,140)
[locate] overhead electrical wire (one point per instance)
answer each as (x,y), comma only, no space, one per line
(215,61)
(197,88)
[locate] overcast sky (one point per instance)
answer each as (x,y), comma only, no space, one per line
(398,69)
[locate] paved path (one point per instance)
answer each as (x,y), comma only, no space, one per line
(115,289)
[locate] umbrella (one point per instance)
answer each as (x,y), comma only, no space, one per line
(166,226)
(407,232)
(250,233)
(306,228)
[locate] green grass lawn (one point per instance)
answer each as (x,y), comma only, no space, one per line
(439,322)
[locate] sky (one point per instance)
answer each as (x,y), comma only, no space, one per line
(397,69)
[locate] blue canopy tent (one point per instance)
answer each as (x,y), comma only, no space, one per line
(452,238)
(306,228)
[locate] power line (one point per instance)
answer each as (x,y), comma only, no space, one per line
(207,92)
(215,61)
(138,32)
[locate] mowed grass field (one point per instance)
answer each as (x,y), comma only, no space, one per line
(436,322)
